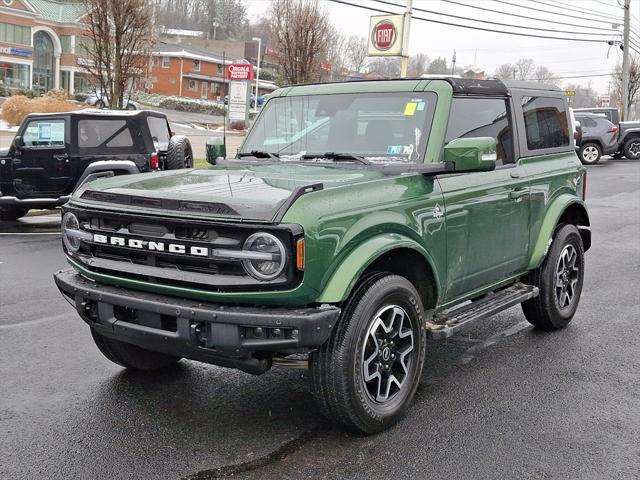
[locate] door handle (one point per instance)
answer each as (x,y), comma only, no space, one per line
(61,157)
(515,174)
(517,193)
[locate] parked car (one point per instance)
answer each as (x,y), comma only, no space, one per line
(599,137)
(100,100)
(628,131)
(252,101)
(577,129)
(54,152)
(389,212)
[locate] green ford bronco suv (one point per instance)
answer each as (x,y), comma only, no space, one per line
(356,221)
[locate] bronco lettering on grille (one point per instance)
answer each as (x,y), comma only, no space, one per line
(151,245)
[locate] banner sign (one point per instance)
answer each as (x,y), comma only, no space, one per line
(18,52)
(386,35)
(240,71)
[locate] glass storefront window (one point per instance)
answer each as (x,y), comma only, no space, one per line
(82,83)
(65,42)
(17,34)
(14,75)
(64,79)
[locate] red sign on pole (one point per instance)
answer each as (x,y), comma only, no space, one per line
(325,66)
(240,71)
(384,35)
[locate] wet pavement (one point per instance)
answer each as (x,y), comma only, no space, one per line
(500,401)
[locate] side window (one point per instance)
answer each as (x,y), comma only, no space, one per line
(159,131)
(95,134)
(545,122)
(44,133)
(482,117)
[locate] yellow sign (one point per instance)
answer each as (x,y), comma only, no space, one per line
(570,93)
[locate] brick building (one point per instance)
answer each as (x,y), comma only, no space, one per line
(40,45)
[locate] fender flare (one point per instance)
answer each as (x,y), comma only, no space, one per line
(552,217)
(632,133)
(350,269)
(108,165)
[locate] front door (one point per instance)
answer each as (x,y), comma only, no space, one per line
(486,213)
(41,165)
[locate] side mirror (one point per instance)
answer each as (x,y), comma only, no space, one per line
(472,154)
(18,142)
(216,148)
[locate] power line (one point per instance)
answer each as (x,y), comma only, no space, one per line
(528,17)
(584,12)
(495,23)
(587,11)
(529,7)
(440,22)
(578,76)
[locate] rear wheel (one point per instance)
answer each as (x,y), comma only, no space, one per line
(180,153)
(559,280)
(99,104)
(367,373)
(11,213)
(632,148)
(590,153)
(132,356)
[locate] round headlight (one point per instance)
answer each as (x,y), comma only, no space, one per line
(265,256)
(70,232)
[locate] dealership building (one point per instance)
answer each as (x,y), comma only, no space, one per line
(41,45)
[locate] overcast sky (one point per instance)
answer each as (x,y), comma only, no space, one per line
(488,49)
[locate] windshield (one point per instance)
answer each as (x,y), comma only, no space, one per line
(383,126)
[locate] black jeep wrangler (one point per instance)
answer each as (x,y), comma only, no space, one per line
(52,153)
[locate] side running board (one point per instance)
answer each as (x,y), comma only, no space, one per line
(446,324)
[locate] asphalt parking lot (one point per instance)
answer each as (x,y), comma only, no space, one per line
(501,401)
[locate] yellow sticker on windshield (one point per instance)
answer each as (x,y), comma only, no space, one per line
(410,109)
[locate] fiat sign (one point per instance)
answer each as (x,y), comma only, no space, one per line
(385,35)
(240,71)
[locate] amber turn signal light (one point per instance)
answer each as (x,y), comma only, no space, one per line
(300,254)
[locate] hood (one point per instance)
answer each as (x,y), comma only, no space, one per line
(248,192)
(629,124)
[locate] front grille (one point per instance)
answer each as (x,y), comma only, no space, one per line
(187,269)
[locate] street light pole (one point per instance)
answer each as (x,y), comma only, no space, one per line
(259,40)
(625,62)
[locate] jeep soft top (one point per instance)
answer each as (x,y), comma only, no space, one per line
(54,152)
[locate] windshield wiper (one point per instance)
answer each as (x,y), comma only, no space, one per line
(338,157)
(258,154)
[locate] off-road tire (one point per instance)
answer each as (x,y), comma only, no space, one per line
(590,153)
(179,154)
(11,213)
(99,104)
(632,148)
(544,311)
(336,368)
(132,356)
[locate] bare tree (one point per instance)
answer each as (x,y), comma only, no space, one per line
(418,65)
(543,74)
(386,67)
(439,67)
(121,33)
(525,68)
(634,85)
(506,71)
(300,31)
(356,53)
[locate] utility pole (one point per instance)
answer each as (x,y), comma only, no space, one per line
(625,61)
(404,61)
(259,40)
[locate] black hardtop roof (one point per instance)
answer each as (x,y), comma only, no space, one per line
(462,86)
(90,112)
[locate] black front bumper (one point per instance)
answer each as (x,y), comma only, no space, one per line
(232,336)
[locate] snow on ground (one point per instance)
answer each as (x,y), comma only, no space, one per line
(5,127)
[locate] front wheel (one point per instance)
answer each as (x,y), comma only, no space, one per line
(559,280)
(632,148)
(367,373)
(590,153)
(132,356)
